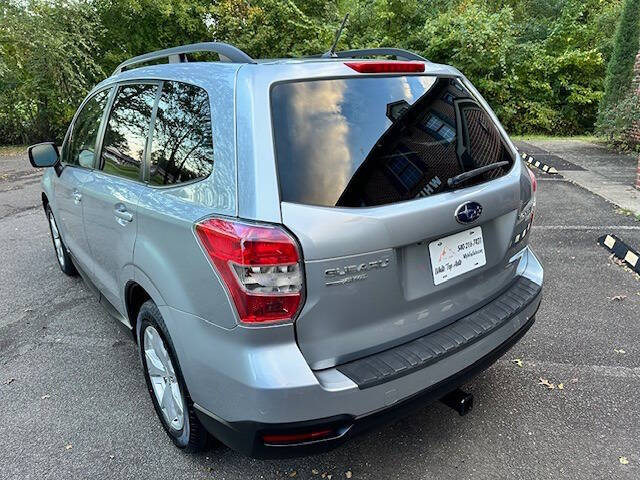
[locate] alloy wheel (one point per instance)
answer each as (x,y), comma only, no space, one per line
(57,241)
(163,379)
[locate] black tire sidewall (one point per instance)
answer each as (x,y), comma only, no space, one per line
(150,316)
(68,268)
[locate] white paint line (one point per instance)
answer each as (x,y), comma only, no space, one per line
(576,370)
(587,227)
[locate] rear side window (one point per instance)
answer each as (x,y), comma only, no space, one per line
(368,141)
(82,144)
(125,137)
(182,146)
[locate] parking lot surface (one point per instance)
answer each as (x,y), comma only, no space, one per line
(73,402)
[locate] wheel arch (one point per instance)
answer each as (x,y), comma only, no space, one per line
(137,291)
(135,296)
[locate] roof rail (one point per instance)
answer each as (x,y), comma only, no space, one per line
(227,53)
(397,52)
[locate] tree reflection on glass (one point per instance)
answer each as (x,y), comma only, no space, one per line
(361,142)
(182,147)
(85,131)
(126,134)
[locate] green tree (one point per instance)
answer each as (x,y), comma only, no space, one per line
(540,63)
(626,46)
(134,27)
(274,28)
(384,23)
(538,81)
(48,53)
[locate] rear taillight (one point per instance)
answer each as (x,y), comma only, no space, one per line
(386,67)
(525,217)
(260,266)
(534,188)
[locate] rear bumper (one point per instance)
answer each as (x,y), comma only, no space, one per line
(412,356)
(340,401)
(246,437)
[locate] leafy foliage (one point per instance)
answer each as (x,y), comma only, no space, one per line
(620,107)
(539,63)
(620,68)
(134,27)
(48,61)
(615,122)
(273,28)
(539,79)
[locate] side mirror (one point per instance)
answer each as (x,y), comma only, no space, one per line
(44,155)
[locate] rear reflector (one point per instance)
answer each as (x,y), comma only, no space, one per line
(260,266)
(386,67)
(293,438)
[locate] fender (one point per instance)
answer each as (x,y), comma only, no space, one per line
(145,282)
(48,187)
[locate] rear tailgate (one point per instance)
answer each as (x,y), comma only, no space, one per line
(385,306)
(363,166)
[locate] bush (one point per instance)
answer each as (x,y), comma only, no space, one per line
(547,85)
(626,46)
(616,123)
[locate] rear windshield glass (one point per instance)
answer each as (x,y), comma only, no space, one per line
(371,141)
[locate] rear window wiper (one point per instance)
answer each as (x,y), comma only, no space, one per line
(463,177)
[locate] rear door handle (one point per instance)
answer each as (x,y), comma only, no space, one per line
(122,214)
(77,197)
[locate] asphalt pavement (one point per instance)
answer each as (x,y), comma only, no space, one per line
(73,403)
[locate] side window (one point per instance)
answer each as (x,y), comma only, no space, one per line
(182,146)
(82,144)
(125,137)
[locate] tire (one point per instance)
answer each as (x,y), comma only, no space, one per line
(185,430)
(60,249)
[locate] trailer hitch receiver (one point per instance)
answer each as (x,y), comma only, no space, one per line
(461,402)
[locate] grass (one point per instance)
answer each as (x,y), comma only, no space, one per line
(627,213)
(13,149)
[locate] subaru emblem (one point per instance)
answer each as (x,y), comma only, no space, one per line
(468,212)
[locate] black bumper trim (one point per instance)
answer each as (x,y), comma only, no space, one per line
(246,436)
(424,351)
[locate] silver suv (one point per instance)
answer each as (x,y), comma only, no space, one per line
(303,248)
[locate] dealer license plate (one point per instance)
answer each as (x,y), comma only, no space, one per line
(456,254)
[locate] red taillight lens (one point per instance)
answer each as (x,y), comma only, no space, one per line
(259,264)
(386,67)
